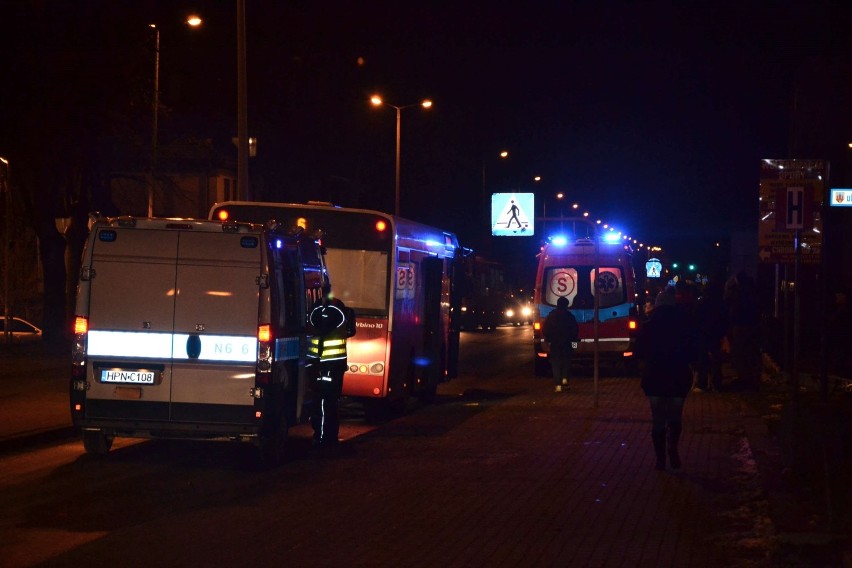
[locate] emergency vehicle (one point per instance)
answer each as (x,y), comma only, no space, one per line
(595,279)
(398,276)
(192,329)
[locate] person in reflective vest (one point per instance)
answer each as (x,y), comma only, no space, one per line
(330,323)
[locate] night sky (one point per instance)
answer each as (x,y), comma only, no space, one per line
(651,116)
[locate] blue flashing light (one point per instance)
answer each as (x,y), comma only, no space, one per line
(559,240)
(612,237)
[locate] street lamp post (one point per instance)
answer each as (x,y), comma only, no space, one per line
(377,101)
(486,204)
(242,105)
(7,240)
(193,22)
(155,105)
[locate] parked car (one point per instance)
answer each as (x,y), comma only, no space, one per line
(22,331)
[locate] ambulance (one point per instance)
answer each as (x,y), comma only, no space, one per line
(192,329)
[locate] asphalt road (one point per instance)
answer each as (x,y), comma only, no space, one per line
(55,498)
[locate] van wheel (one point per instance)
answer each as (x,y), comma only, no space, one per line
(272,445)
(96,442)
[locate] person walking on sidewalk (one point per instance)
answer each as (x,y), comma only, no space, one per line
(711,325)
(665,344)
(561,330)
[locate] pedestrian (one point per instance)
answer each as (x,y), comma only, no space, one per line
(740,298)
(330,323)
(839,335)
(561,331)
(686,302)
(664,344)
(712,324)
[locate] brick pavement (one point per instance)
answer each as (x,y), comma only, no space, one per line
(517,475)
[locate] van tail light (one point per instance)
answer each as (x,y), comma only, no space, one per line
(264,353)
(81,325)
(631,325)
(78,351)
(537,326)
(264,332)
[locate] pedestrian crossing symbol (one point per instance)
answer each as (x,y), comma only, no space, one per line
(512,214)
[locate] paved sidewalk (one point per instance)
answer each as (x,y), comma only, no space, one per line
(568,484)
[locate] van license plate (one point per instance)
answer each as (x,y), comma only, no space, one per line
(128,376)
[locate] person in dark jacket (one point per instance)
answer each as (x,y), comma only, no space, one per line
(561,330)
(665,345)
(712,325)
(740,297)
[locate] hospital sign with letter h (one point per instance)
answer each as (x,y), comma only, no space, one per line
(794,208)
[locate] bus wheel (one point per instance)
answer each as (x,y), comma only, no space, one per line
(376,410)
(273,443)
(96,442)
(427,395)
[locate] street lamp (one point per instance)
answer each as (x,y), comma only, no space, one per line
(7,241)
(242,105)
(486,203)
(192,21)
(377,101)
(155,104)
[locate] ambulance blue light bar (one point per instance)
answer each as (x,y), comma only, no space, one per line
(609,238)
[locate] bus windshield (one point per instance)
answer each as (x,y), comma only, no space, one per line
(360,278)
(358,245)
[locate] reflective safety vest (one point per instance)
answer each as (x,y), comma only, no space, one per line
(326,348)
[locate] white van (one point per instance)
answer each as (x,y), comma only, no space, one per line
(192,329)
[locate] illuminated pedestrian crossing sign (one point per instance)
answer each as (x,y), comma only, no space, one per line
(653,268)
(512,214)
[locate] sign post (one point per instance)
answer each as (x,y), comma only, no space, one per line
(790,232)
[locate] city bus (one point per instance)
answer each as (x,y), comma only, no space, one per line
(397,275)
(485,293)
(566,268)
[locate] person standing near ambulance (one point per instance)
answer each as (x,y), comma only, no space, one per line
(330,323)
(561,330)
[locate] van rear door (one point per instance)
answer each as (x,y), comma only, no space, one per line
(131,307)
(215,327)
